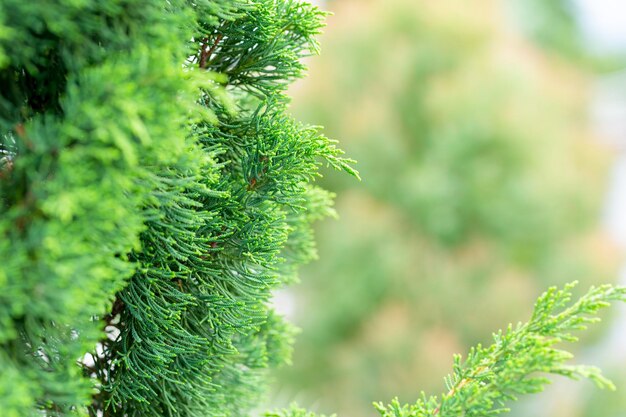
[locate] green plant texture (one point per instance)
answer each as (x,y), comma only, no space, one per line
(481,184)
(154,192)
(516,363)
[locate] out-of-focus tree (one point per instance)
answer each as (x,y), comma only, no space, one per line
(552,24)
(480,187)
(555,25)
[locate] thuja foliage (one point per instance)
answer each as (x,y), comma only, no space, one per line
(488,379)
(153,192)
(516,363)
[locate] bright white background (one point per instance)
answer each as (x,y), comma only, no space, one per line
(604,23)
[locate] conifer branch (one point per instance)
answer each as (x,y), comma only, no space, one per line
(490,377)
(206,54)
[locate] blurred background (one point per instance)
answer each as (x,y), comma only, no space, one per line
(491,139)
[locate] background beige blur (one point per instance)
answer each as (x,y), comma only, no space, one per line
(484,182)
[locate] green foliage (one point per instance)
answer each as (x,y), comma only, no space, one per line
(152,194)
(516,362)
(556,26)
(294,411)
(552,24)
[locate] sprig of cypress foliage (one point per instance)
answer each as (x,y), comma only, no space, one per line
(516,363)
(293,411)
(152,186)
(153,192)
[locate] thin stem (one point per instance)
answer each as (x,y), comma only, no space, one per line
(206,54)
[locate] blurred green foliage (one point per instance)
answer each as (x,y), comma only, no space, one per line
(480,187)
(552,24)
(555,25)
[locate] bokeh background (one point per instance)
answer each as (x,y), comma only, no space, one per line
(490,136)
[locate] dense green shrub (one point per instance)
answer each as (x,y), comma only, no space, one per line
(153,192)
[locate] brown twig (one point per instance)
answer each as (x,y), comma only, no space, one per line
(5,171)
(118,307)
(450,393)
(252,184)
(455,388)
(19,129)
(206,54)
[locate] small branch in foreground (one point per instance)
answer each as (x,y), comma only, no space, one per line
(206,54)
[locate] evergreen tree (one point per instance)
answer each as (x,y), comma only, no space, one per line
(153,192)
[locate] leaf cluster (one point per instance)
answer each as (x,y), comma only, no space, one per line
(519,359)
(153,192)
